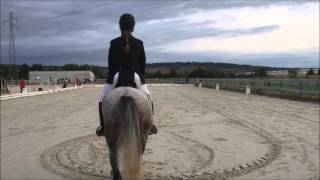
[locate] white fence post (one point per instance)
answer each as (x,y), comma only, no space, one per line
(248,90)
(24,90)
(217,86)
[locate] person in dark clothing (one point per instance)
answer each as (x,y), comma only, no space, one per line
(126,63)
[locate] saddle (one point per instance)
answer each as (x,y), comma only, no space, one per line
(126,77)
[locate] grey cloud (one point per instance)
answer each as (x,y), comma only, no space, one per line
(176,31)
(95,57)
(58,32)
(251,31)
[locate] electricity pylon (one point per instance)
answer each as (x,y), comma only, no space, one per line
(12,51)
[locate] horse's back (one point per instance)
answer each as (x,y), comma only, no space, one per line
(141,99)
(112,108)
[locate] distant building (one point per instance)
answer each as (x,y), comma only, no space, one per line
(300,72)
(278,73)
(59,76)
(304,71)
(245,73)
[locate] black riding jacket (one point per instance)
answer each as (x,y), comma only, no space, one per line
(126,63)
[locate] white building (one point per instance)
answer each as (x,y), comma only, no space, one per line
(305,71)
(278,73)
(300,72)
(56,76)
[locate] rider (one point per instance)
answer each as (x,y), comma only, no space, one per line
(126,63)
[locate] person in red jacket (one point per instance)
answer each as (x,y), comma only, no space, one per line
(22,85)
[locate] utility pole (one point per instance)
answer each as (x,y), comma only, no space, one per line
(12,51)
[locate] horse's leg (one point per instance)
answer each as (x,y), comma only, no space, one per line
(144,142)
(114,161)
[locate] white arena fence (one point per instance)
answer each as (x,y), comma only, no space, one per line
(298,89)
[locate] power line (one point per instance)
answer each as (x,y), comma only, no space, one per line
(73,12)
(154,8)
(139,12)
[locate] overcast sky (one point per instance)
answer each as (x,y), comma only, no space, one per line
(255,32)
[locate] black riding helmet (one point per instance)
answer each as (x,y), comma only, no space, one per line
(126,22)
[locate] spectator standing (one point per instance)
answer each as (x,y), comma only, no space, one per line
(22,85)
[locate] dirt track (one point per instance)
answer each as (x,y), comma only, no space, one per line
(202,133)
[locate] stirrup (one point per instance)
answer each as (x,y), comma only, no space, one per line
(99,131)
(154,130)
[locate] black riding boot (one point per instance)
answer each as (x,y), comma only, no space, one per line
(100,129)
(154,129)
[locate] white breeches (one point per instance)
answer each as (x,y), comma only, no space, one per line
(109,87)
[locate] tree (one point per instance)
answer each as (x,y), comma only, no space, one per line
(4,71)
(199,72)
(310,72)
(220,74)
(36,67)
(70,67)
(172,73)
(85,67)
(24,71)
(213,73)
(148,75)
(158,74)
(99,72)
(261,72)
(292,73)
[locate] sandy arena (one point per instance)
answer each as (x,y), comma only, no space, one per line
(203,133)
